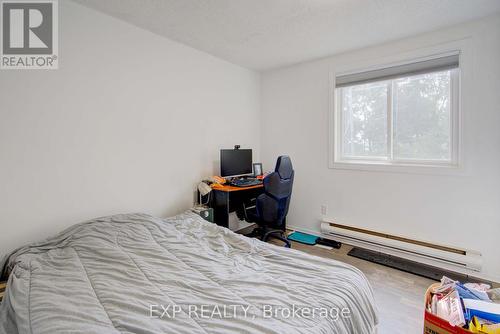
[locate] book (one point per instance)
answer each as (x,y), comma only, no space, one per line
(450,308)
(482,309)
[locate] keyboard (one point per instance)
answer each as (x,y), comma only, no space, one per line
(245,182)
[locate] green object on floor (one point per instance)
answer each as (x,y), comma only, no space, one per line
(304,238)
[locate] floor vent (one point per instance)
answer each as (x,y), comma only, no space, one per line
(408,266)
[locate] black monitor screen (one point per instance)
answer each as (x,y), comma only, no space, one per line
(235,162)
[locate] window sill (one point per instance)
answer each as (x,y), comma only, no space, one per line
(397,167)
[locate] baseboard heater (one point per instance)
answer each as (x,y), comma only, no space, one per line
(446,257)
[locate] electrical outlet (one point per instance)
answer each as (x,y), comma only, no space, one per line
(324,210)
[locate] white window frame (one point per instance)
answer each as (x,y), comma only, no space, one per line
(337,161)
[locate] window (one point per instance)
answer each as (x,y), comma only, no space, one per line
(400,115)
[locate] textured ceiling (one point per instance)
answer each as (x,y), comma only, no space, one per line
(264,34)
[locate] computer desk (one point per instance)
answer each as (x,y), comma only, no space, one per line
(227,199)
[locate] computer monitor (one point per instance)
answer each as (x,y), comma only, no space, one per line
(235,162)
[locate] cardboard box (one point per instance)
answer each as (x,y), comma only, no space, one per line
(435,325)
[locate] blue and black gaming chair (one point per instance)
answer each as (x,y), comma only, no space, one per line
(272,206)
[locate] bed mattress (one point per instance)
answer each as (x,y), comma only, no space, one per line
(136,273)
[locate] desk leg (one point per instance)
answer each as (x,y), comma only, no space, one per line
(221,208)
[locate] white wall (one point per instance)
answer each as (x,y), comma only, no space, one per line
(460,210)
(130,122)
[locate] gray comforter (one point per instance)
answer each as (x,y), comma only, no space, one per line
(139,274)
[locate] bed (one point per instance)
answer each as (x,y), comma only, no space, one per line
(136,273)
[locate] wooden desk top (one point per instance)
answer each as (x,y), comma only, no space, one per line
(228,188)
(3,285)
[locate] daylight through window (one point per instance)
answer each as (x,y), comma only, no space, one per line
(408,118)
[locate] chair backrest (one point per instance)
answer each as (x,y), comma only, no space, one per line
(272,205)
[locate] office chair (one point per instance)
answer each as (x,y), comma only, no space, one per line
(272,206)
